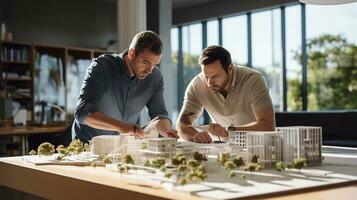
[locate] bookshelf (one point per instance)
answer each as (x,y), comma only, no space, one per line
(23,75)
(27,68)
(16,66)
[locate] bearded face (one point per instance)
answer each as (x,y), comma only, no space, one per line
(216,77)
(144,63)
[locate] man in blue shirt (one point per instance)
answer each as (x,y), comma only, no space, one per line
(118,86)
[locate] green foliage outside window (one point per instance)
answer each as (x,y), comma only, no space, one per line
(332,75)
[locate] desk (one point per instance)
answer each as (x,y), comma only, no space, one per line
(73,182)
(29,130)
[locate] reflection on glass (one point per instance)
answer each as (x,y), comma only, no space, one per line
(293,66)
(49,88)
(234,30)
(75,72)
(266,51)
(332,56)
(212,33)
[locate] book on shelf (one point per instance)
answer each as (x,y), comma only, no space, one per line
(12,54)
(23,92)
(15,76)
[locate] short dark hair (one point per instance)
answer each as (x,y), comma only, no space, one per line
(213,53)
(147,40)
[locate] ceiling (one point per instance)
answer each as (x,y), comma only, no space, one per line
(176,4)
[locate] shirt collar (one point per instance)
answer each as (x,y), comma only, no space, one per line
(124,68)
(234,79)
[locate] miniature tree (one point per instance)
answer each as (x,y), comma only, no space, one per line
(87,147)
(196,174)
(253,167)
(123,168)
(62,150)
(46,149)
(127,159)
(201,168)
(178,159)
(299,163)
(181,169)
(76,147)
(191,164)
(107,160)
(199,157)
(231,174)
(238,161)
(280,166)
(147,163)
(163,168)
(168,174)
(255,158)
(158,162)
(229,165)
(183,181)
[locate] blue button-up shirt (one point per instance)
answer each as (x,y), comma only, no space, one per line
(109,88)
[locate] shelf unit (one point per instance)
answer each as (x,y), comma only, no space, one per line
(16,70)
(19,73)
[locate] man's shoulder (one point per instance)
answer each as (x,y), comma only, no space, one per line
(111,58)
(243,70)
(197,84)
(106,63)
(247,74)
(196,80)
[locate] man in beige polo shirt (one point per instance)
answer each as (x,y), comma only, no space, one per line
(234,96)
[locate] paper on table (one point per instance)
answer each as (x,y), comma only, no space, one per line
(150,128)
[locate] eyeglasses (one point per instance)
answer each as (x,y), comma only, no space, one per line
(147,63)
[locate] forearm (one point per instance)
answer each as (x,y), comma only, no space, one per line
(101,121)
(186,132)
(163,125)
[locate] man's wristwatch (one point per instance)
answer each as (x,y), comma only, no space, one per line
(231,128)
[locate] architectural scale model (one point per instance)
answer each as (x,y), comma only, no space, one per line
(286,144)
(162,144)
(266,145)
(302,142)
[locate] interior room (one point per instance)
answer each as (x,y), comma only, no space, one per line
(178,99)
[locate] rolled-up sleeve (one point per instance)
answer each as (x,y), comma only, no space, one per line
(156,104)
(93,87)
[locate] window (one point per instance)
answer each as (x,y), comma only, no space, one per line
(192,48)
(174,45)
(235,38)
(212,32)
(266,51)
(293,64)
(331,53)
(332,56)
